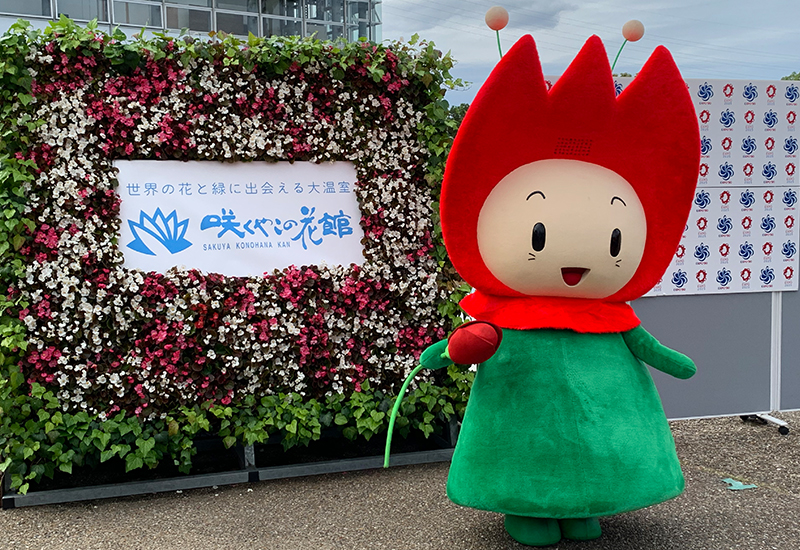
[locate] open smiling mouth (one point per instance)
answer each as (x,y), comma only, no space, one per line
(573,275)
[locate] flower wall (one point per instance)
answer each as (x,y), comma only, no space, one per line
(89,342)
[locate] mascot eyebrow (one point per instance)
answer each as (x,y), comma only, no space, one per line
(542,194)
(618,199)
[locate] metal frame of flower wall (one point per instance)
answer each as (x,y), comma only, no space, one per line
(103,362)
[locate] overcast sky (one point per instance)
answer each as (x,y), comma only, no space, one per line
(735,39)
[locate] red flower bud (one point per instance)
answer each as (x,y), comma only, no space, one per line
(474,342)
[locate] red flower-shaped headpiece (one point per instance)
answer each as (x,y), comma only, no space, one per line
(648,135)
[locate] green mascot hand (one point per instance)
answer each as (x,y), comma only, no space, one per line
(436,356)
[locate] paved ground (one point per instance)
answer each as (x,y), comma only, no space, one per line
(406,508)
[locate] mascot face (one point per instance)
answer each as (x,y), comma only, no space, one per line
(562,228)
(547,189)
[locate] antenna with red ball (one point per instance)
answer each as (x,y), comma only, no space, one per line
(497,19)
(632,31)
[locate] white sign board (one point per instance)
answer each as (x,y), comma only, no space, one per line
(241,219)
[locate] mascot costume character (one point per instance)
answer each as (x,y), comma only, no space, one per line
(559,206)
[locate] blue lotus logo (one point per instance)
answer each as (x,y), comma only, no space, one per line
(705,146)
(617,87)
(727,119)
(789,198)
(724,277)
(750,92)
(790,145)
(749,145)
(702,199)
(767,275)
(724,224)
(701,252)
(768,224)
(725,171)
(746,250)
(769,171)
(705,92)
(747,199)
(679,278)
(789,249)
(167,230)
(792,93)
(770,118)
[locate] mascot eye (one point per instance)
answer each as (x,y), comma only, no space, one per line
(538,236)
(616,242)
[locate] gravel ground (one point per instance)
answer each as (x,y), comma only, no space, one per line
(406,508)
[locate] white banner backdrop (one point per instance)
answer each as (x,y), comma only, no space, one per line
(741,235)
(241,219)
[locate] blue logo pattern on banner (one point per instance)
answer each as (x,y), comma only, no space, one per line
(727,118)
(747,199)
(724,224)
(749,145)
(724,277)
(792,93)
(770,118)
(705,92)
(679,278)
(769,171)
(790,145)
(767,275)
(789,249)
(768,224)
(165,229)
(701,252)
(746,250)
(750,92)
(789,197)
(702,199)
(705,146)
(725,171)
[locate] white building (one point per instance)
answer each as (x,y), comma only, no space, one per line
(325,19)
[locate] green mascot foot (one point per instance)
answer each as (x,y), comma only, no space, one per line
(533,531)
(580,529)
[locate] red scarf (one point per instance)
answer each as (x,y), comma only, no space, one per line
(532,312)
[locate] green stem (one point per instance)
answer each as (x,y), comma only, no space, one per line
(619,52)
(396,408)
(499,48)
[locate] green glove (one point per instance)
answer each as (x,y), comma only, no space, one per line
(435,356)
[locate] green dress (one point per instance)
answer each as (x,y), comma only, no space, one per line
(567,425)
